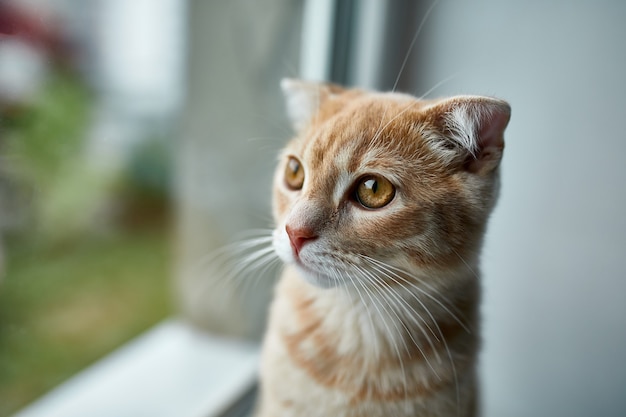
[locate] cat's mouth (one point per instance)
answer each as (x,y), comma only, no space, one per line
(309,264)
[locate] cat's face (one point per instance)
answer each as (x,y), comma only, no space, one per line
(376,181)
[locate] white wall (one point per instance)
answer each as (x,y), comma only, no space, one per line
(555,259)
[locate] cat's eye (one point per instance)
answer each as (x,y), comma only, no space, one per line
(294,174)
(374,192)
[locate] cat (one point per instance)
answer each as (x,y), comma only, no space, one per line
(380,203)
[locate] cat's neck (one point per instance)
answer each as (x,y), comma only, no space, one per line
(397,321)
(352,342)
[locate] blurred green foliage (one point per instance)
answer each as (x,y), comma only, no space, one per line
(63,308)
(44,150)
(44,136)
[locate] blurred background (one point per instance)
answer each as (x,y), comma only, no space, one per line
(137,137)
(90,95)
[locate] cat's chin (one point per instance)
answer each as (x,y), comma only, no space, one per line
(315,278)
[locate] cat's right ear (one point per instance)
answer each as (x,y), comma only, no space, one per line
(304,99)
(473,129)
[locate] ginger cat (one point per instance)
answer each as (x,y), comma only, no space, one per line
(380,203)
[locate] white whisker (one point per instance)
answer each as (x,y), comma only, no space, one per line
(439,84)
(404,303)
(377,350)
(232,265)
(400,113)
(391,337)
(412,44)
(445,343)
(397,272)
(474,273)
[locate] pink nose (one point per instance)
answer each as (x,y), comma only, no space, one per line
(299,236)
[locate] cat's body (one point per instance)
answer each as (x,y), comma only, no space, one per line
(381,203)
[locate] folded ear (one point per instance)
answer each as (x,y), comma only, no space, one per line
(474,127)
(304,99)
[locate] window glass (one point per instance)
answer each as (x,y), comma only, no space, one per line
(135,138)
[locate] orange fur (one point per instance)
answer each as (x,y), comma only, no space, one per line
(377,311)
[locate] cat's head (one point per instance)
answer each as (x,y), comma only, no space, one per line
(377,181)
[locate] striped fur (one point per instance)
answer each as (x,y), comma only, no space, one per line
(376,314)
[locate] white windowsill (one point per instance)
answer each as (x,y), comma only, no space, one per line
(171,370)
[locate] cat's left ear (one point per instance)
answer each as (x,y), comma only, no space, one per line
(475,125)
(304,99)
